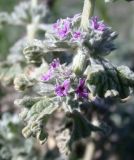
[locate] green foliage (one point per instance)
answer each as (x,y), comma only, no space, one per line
(37,116)
(113,81)
(82,128)
(8,72)
(103,79)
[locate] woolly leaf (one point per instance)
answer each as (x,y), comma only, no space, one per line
(82,128)
(37,117)
(127,75)
(22,82)
(105,80)
(8,72)
(27,102)
(35,51)
(44,88)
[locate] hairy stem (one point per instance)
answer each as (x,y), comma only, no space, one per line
(90,149)
(88,10)
(33,26)
(34,3)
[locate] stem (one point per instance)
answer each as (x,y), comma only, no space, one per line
(88,10)
(89,151)
(33,26)
(91,145)
(34,3)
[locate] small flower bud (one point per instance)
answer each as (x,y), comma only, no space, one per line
(79,62)
(22,82)
(27,132)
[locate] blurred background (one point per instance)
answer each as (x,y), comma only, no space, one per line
(120,144)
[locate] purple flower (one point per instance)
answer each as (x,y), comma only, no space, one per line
(55,63)
(62,89)
(77,35)
(82,90)
(62,28)
(47,76)
(96,24)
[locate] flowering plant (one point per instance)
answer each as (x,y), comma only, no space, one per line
(89,81)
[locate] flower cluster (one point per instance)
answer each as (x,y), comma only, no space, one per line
(67,29)
(99,37)
(62,27)
(64,83)
(97,25)
(82,87)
